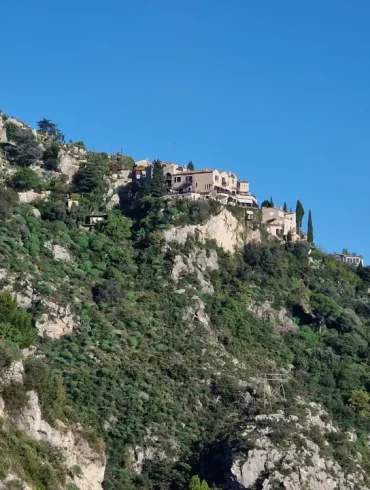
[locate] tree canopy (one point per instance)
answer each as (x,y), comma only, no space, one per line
(158,182)
(25,179)
(299,215)
(51,129)
(310,235)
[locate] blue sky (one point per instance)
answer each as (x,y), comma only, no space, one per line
(277,91)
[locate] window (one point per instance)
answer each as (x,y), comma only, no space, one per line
(207,187)
(196,184)
(189,178)
(177,179)
(216,178)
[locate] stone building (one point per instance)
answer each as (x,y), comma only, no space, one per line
(280,223)
(199,184)
(142,172)
(244,197)
(350,259)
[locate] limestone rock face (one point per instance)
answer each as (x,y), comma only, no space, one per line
(280,318)
(15,481)
(292,466)
(73,447)
(13,374)
(58,321)
(70,443)
(224,228)
(138,455)
(28,197)
(197,262)
(59,252)
(68,164)
(3,138)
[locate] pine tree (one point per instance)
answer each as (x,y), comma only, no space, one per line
(285,208)
(158,183)
(310,228)
(48,127)
(299,215)
(190,165)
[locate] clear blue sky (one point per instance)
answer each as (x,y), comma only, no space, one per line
(276,90)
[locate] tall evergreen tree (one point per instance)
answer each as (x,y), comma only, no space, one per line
(190,165)
(48,127)
(310,237)
(266,204)
(272,205)
(285,208)
(299,215)
(158,183)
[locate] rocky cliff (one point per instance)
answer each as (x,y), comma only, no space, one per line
(229,232)
(84,466)
(294,461)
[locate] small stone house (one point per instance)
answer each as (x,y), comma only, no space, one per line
(350,259)
(280,223)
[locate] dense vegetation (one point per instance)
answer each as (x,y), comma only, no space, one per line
(140,369)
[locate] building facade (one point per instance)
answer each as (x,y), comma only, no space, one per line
(198,184)
(350,259)
(280,223)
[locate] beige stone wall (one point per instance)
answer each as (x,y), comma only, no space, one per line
(199,182)
(204,182)
(243,187)
(278,222)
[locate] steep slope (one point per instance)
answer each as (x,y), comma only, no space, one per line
(159,330)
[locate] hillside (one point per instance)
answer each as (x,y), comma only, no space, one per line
(169,339)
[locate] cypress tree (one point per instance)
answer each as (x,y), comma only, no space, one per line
(299,215)
(158,183)
(285,208)
(310,228)
(190,165)
(272,205)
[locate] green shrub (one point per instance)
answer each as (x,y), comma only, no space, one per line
(15,325)
(25,179)
(14,396)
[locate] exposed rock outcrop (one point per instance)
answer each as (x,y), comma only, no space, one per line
(59,252)
(197,262)
(3,138)
(68,164)
(73,447)
(228,232)
(12,481)
(279,318)
(29,197)
(58,321)
(292,465)
(152,450)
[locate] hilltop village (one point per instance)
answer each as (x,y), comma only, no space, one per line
(53,160)
(160,328)
(184,182)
